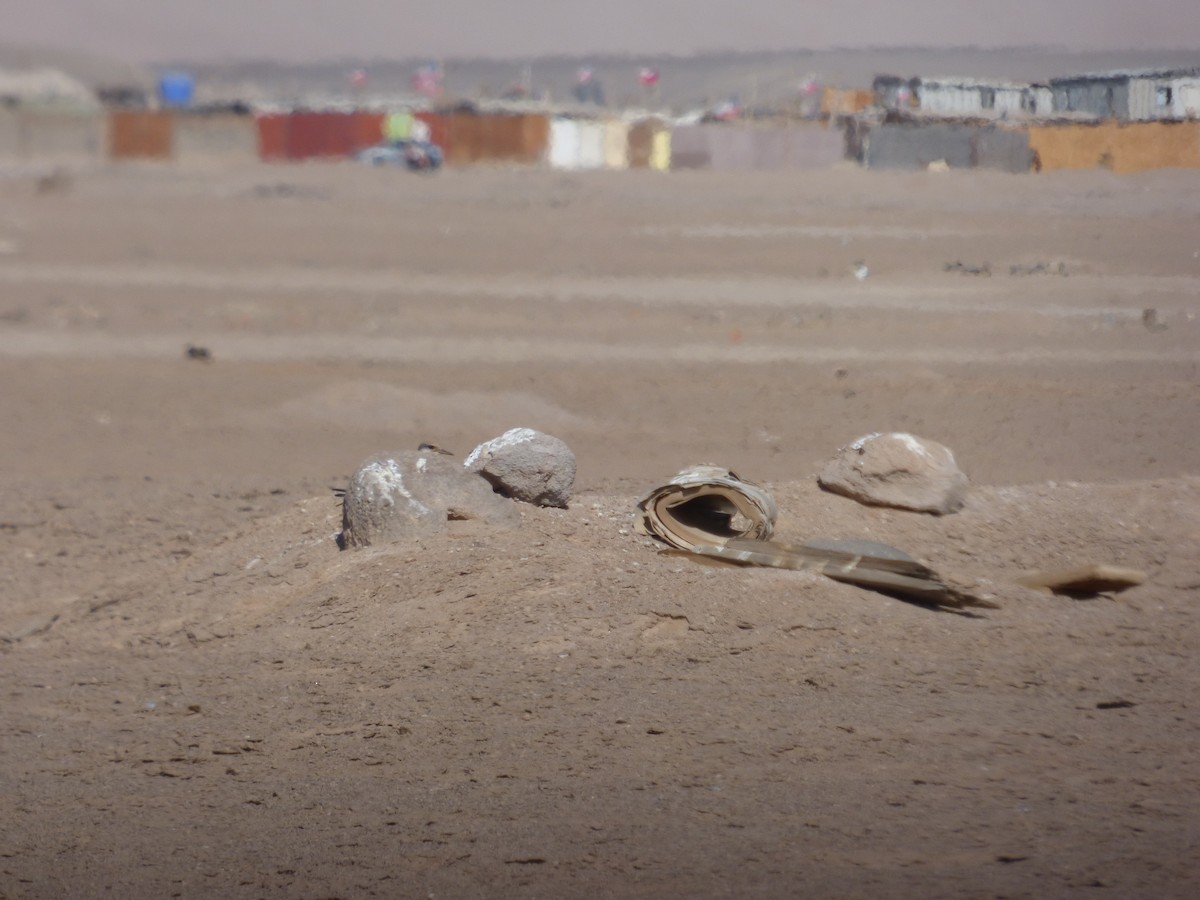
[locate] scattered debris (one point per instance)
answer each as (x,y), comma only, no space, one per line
(711,512)
(898,470)
(399,495)
(526,465)
(963,269)
(703,506)
(860,270)
(57,182)
(283,189)
(203,354)
(1084,581)
(1150,320)
(1041,268)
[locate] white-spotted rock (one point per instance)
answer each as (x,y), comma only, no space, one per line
(399,495)
(526,465)
(899,470)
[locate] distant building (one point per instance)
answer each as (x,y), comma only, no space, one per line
(1136,95)
(49,89)
(981,97)
(892,92)
(961,97)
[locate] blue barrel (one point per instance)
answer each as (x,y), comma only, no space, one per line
(176,89)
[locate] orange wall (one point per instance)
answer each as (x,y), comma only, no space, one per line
(1130,147)
(835,102)
(467,138)
(140,134)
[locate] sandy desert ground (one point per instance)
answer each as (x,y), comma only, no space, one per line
(203,697)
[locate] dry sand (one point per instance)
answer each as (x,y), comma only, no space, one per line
(203,697)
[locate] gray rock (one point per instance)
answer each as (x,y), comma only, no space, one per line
(526,465)
(899,470)
(394,496)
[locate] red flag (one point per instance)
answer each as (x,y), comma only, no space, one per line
(428,80)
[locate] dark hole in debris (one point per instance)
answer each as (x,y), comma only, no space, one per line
(716,515)
(1115,704)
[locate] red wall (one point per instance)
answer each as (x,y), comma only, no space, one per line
(317,135)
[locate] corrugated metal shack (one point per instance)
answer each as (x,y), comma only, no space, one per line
(837,103)
(914,142)
(749,147)
(1134,95)
(140,134)
(215,135)
(976,96)
(469,137)
(36,134)
(305,134)
(577,143)
(650,143)
(181,136)
(1119,146)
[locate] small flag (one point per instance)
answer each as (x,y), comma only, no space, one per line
(428,80)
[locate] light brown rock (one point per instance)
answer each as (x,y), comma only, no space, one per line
(899,470)
(394,496)
(527,465)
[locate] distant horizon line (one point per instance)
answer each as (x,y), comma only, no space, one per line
(7,48)
(362,60)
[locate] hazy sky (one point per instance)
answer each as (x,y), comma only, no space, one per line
(149,30)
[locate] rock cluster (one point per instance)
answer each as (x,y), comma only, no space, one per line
(410,493)
(400,495)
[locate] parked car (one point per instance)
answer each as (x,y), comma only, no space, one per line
(415,155)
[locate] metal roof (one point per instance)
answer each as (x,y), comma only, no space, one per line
(1119,74)
(969,82)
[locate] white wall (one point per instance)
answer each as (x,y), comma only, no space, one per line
(577,144)
(967,100)
(564,144)
(1143,103)
(591,145)
(949,99)
(1187,98)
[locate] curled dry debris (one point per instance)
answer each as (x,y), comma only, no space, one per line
(711,512)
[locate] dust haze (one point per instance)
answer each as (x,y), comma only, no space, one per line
(307,30)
